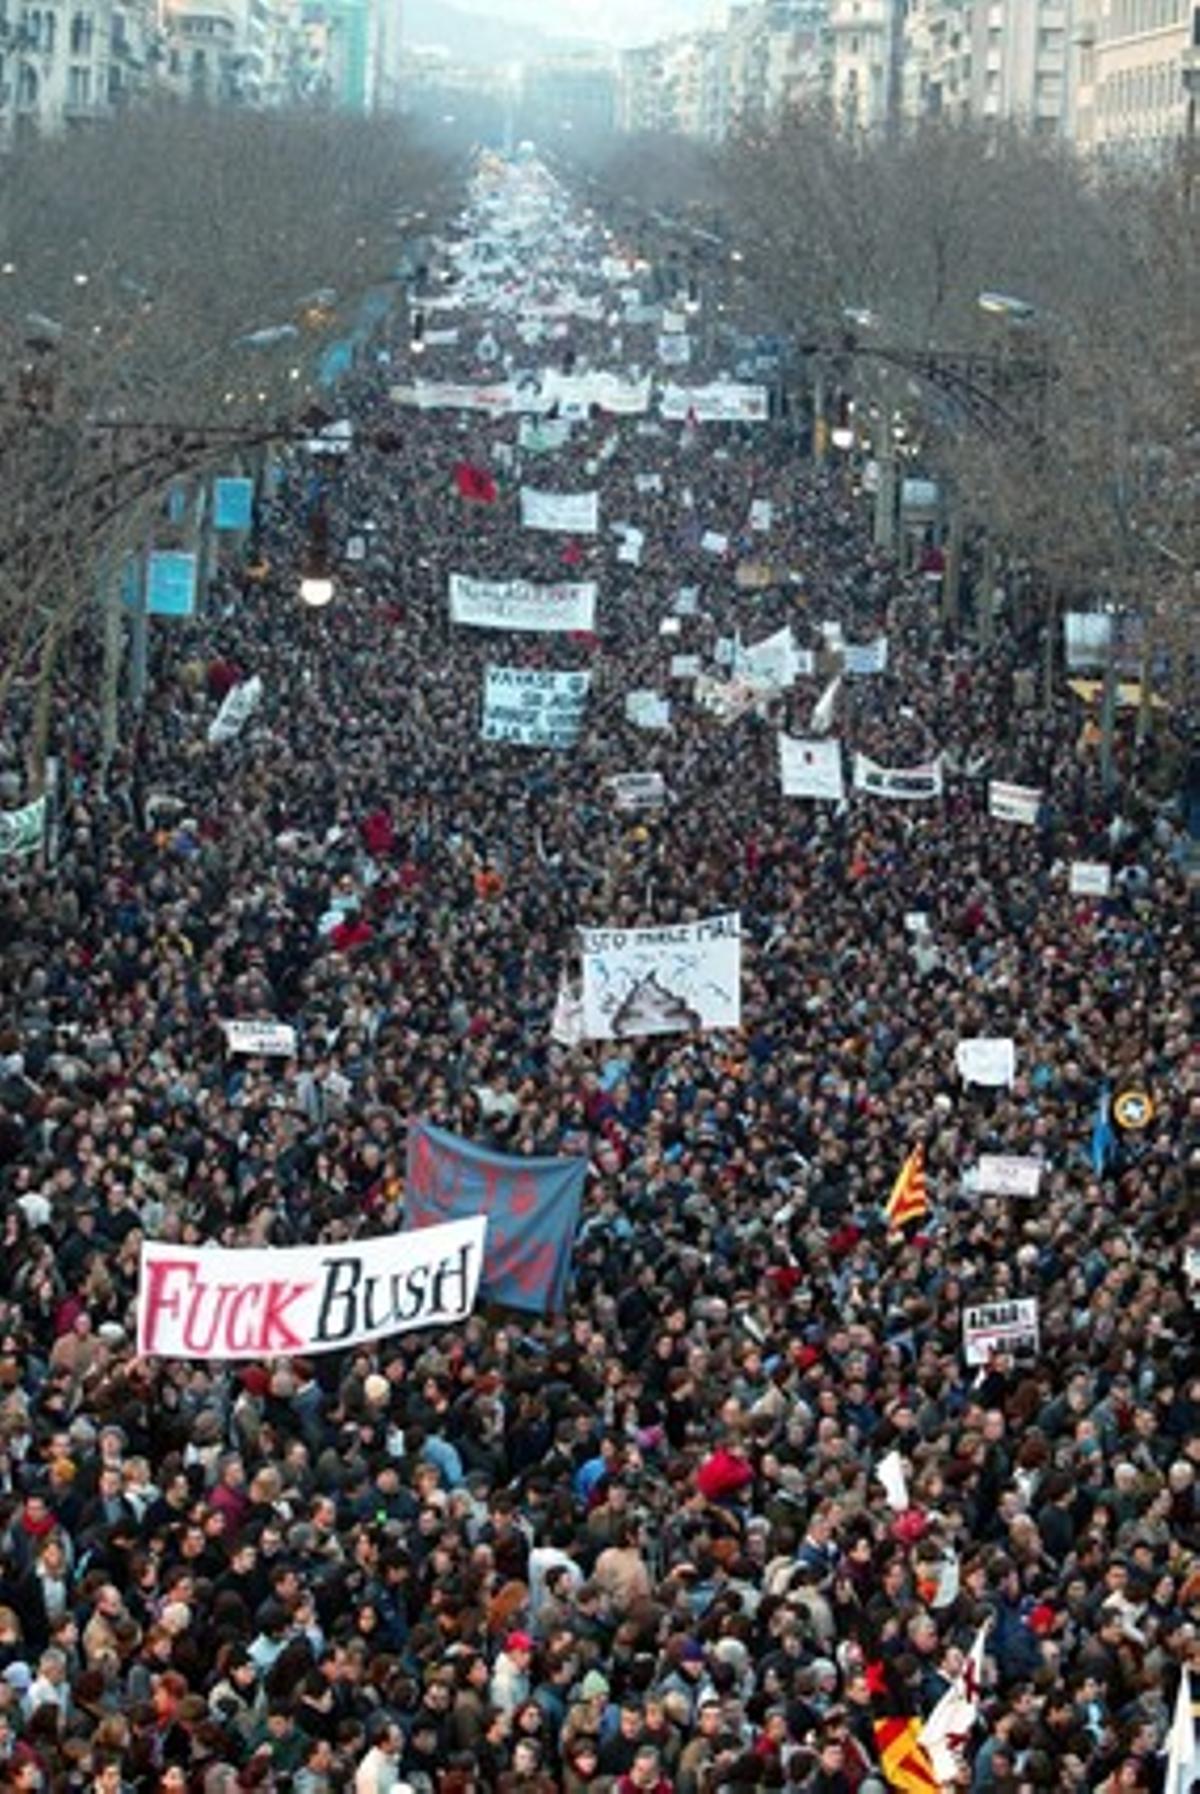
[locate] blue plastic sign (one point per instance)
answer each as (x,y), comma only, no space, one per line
(233,503)
(170,584)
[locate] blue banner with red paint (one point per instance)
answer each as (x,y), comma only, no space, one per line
(532,1209)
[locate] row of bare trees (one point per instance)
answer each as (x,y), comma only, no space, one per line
(175,267)
(1097,484)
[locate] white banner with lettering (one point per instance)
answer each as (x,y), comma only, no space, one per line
(811,768)
(1014,803)
(772,664)
(647,710)
(989,1059)
(865,658)
(721,402)
(271,1040)
(578,513)
(209,1302)
(1090,878)
(913,784)
(638,790)
(237,707)
(1006,1174)
(669,980)
(990,1327)
(495,399)
(533,708)
(518,604)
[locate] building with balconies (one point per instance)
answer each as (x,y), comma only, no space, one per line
(867,39)
(1137,71)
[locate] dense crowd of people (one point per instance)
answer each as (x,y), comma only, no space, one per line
(640,1545)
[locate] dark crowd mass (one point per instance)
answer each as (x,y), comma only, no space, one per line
(641,1544)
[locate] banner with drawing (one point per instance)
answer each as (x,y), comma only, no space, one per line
(811,768)
(532,708)
(909,783)
(721,402)
(518,604)
(577,513)
(670,980)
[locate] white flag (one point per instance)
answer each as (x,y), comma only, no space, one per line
(890,1472)
(1183,1759)
(948,1729)
(822,716)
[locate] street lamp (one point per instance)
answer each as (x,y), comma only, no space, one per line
(316,590)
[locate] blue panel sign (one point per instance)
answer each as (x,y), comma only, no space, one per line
(233,503)
(170,584)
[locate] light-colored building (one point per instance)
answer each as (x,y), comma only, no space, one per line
(1000,61)
(867,38)
(769,55)
(1137,68)
(64,64)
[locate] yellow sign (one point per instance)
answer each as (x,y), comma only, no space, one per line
(1133,1109)
(1128,694)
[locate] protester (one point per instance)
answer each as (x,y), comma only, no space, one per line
(642,1543)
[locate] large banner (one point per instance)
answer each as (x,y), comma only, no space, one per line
(772,664)
(638,790)
(532,708)
(531,1208)
(253,1302)
(912,783)
(578,513)
(269,1040)
(575,394)
(670,980)
(811,768)
(543,435)
(517,604)
(722,402)
(435,395)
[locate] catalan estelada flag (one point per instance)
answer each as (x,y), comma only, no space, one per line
(902,1759)
(909,1200)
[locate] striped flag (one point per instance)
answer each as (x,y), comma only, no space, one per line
(902,1760)
(909,1200)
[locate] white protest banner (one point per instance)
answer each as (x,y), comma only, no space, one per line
(999,1327)
(722,402)
(1006,1174)
(575,394)
(566,1025)
(518,604)
(647,710)
(670,626)
(865,658)
(645,483)
(685,666)
(638,790)
(640,981)
(1087,636)
(687,601)
(440,339)
(239,704)
(1090,878)
(910,783)
(21,831)
(673,322)
(761,513)
(266,1040)
(675,349)
(356,548)
(532,708)
(576,512)
(769,665)
(629,548)
(434,395)
(1014,803)
(543,435)
(811,769)
(726,699)
(713,541)
(987,1059)
(211,1303)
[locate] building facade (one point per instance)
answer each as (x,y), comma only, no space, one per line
(1137,71)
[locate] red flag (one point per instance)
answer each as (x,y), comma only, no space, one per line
(475,483)
(572,553)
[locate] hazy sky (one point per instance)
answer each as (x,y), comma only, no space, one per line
(614,21)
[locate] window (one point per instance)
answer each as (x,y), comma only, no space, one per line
(81,34)
(79,86)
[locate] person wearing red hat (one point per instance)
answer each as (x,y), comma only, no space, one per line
(511,1685)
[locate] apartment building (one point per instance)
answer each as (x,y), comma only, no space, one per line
(867,39)
(1137,77)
